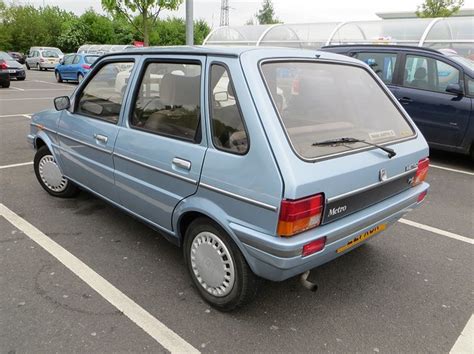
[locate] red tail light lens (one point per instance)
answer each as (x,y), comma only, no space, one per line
(299,215)
(3,64)
(85,66)
(422,196)
(314,246)
(422,171)
(42,60)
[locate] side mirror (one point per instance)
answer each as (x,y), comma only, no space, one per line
(62,103)
(455,88)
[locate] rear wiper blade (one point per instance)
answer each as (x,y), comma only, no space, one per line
(391,153)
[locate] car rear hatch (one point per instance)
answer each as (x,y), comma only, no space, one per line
(341,124)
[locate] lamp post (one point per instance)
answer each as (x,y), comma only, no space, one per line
(189,23)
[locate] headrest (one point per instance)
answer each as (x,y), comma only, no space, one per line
(178,90)
(420,73)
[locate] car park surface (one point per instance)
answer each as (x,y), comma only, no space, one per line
(408,290)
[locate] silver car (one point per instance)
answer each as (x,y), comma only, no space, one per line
(42,59)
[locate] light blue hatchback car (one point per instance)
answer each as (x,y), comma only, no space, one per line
(258,162)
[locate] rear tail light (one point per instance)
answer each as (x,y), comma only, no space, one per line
(314,246)
(85,66)
(422,196)
(422,171)
(295,87)
(42,60)
(3,64)
(299,215)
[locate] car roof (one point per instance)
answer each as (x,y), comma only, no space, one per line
(231,51)
(383,47)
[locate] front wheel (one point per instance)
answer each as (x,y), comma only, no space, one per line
(27,66)
(50,177)
(217,267)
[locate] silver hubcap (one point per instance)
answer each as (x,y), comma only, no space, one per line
(212,264)
(51,175)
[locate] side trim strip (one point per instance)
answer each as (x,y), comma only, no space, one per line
(239,197)
(41,127)
(84,143)
(370,186)
(190,180)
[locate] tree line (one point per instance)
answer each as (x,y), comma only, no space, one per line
(24,26)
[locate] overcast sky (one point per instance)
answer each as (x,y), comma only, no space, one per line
(289,11)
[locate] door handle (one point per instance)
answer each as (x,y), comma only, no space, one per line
(405,100)
(181,163)
(101,138)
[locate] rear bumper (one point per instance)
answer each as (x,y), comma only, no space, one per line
(277,258)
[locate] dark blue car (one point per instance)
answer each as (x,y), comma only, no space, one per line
(436,88)
(74,67)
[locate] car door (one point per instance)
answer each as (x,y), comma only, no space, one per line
(88,131)
(65,67)
(160,149)
(441,116)
(75,67)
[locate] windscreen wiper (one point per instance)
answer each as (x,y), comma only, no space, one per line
(391,153)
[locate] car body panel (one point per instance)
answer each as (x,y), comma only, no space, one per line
(77,66)
(241,192)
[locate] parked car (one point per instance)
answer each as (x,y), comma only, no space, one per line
(42,59)
(4,78)
(248,186)
(17,56)
(436,88)
(74,67)
(14,68)
(54,49)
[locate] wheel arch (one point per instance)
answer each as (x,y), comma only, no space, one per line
(41,140)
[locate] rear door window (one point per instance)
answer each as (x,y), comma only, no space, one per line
(383,64)
(68,59)
(168,101)
(76,60)
(321,101)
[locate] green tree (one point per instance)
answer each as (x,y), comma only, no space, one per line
(172,31)
(72,36)
(98,28)
(147,10)
(266,14)
(439,8)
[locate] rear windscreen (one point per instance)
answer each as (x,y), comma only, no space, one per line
(318,102)
(90,59)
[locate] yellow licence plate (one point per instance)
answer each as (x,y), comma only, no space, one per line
(362,237)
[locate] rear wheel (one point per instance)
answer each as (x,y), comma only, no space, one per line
(80,77)
(6,84)
(50,177)
(27,66)
(20,78)
(58,76)
(217,267)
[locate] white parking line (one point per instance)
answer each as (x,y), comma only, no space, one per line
(15,115)
(16,88)
(16,165)
(41,90)
(157,330)
(27,116)
(437,231)
(465,342)
(452,170)
(51,83)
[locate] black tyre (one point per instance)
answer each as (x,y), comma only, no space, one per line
(6,84)
(49,176)
(80,77)
(217,267)
(27,66)
(58,76)
(21,78)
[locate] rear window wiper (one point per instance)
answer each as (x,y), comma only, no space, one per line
(391,153)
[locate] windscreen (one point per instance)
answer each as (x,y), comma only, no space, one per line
(5,56)
(90,59)
(50,54)
(318,102)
